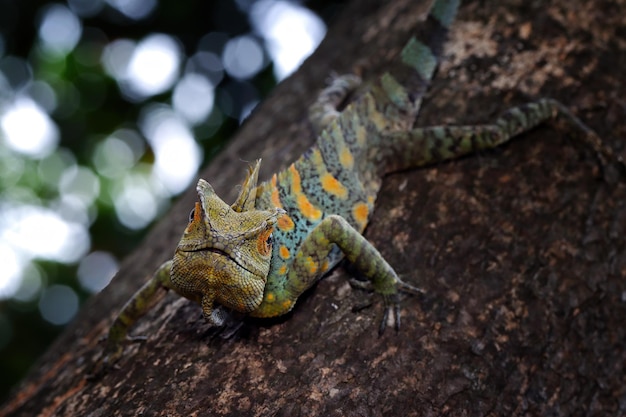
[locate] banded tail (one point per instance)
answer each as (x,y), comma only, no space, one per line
(405,84)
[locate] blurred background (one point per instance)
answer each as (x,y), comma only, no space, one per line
(108,108)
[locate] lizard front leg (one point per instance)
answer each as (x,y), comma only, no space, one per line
(135,308)
(310,262)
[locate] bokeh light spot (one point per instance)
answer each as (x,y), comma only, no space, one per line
(41,233)
(116,56)
(193,98)
(11,168)
(135,204)
(28,129)
(31,284)
(86,8)
(44,95)
(60,30)
(206,63)
(80,182)
(52,167)
(177,155)
(113,158)
(292,33)
(96,270)
(153,66)
(135,9)
(58,304)
(243,57)
(10,273)
(74,209)
(16,71)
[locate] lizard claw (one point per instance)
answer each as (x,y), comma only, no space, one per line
(391,312)
(408,288)
(361,284)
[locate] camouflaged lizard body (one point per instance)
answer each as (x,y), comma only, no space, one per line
(259,254)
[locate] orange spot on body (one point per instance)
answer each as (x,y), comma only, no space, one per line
(274,196)
(284,252)
(311,265)
(285,223)
(287,304)
(360,212)
(332,186)
(295,179)
(307,209)
(283,269)
(325,265)
(346,159)
(269,297)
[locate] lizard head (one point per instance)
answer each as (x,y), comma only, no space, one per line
(224,254)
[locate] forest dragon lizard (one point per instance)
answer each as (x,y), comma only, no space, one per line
(258,255)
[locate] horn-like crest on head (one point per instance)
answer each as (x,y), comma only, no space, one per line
(247,196)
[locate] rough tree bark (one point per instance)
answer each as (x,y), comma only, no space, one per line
(521,250)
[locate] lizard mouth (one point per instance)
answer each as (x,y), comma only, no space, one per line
(226,258)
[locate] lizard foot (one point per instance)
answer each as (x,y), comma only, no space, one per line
(391,314)
(227,323)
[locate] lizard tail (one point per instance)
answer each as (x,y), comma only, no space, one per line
(401,89)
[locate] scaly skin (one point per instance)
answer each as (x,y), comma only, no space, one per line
(260,254)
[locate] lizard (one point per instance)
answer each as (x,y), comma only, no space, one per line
(259,254)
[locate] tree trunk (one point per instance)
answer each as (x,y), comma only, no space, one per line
(521,250)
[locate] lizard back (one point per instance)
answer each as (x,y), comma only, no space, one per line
(342,173)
